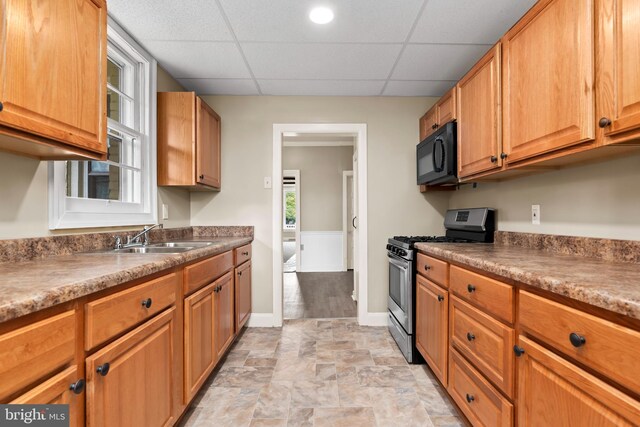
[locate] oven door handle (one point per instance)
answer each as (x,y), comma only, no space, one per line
(400,262)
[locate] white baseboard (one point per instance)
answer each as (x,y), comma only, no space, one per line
(376,319)
(260,320)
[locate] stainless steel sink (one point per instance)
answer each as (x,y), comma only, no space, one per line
(192,245)
(153,250)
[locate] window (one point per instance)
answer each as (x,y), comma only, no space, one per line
(122,189)
(289,207)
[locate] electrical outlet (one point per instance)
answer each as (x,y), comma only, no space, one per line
(165,211)
(267,182)
(535,214)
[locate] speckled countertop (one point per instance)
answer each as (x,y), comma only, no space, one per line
(614,286)
(29,286)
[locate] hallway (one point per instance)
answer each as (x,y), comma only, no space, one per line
(318,295)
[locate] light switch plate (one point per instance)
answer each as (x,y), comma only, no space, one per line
(165,211)
(267,182)
(535,214)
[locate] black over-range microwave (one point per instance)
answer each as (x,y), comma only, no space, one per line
(438,158)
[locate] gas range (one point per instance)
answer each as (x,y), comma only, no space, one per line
(462,226)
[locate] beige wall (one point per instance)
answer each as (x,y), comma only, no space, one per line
(24,192)
(596,200)
(395,206)
(320,184)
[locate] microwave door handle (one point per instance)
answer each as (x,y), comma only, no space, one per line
(437,168)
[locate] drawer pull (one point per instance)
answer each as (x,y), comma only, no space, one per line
(577,340)
(77,387)
(427,267)
(470,336)
(245,253)
(519,351)
(440,298)
(146,303)
(103,369)
(470,398)
(471,288)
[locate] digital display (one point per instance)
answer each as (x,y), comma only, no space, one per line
(462,216)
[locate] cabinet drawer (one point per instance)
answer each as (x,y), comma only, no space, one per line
(242,254)
(608,348)
(205,272)
(34,351)
(111,315)
(433,269)
(493,296)
(481,403)
(487,343)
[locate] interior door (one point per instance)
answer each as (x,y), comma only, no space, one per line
(350,228)
(354,224)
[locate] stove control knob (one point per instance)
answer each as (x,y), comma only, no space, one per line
(388,246)
(402,252)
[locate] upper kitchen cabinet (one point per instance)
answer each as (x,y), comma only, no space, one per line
(548,80)
(479,117)
(441,113)
(53,78)
(188,142)
(617,81)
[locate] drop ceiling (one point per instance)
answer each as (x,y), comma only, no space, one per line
(270,47)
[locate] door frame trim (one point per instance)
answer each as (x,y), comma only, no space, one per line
(359,130)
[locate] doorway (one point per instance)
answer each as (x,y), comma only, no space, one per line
(309,239)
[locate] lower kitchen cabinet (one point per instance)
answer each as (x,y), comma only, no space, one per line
(200,355)
(66,388)
(432,304)
(131,381)
(554,392)
(243,294)
(223,309)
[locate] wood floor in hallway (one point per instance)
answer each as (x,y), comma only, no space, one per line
(318,295)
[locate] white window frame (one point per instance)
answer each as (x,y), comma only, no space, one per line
(69,212)
(288,188)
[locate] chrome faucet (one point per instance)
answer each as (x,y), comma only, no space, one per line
(135,240)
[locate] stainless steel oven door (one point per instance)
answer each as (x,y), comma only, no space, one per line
(400,287)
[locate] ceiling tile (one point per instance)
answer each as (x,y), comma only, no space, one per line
(477,21)
(321,87)
(320,61)
(170,19)
(418,88)
(437,62)
(199,59)
(355,20)
(220,86)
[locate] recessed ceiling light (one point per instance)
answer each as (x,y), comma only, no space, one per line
(321,15)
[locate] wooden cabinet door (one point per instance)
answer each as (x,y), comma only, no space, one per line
(138,387)
(200,354)
(554,392)
(58,391)
(428,122)
(619,55)
(548,62)
(447,107)
(207,145)
(224,322)
(432,325)
(243,294)
(480,117)
(53,63)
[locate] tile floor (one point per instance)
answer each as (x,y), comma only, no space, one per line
(327,372)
